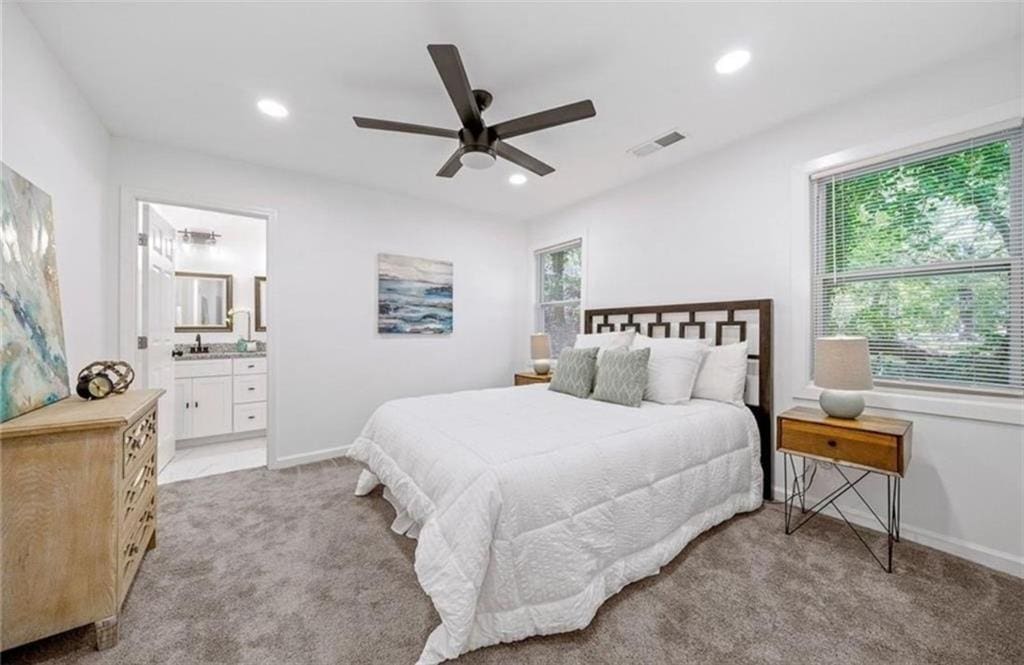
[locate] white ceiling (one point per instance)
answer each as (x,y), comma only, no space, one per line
(189,74)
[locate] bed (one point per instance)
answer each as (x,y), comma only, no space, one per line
(532,507)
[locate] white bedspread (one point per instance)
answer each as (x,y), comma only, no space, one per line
(534,507)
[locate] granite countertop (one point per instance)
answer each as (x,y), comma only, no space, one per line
(220,355)
(219,351)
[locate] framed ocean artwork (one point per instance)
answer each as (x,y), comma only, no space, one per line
(414,296)
(33,365)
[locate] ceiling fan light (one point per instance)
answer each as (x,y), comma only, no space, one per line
(477,159)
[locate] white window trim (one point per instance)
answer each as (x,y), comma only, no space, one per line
(989,408)
(538,282)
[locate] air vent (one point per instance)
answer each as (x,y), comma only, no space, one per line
(656,144)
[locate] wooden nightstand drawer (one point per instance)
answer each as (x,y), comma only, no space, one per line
(870,442)
(526,378)
(877,451)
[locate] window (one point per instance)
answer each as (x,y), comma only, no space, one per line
(559,284)
(922,255)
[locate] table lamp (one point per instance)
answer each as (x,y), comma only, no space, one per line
(842,367)
(540,352)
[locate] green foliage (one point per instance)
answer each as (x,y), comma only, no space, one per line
(954,208)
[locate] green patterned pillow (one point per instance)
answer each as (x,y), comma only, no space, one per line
(574,374)
(622,376)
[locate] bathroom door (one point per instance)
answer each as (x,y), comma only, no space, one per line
(158,322)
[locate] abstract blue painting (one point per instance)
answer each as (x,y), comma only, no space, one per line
(414,296)
(33,367)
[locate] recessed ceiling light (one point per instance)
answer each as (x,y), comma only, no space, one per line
(517,179)
(733,61)
(273,108)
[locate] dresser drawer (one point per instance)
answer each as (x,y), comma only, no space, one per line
(250,365)
(250,416)
(250,388)
(138,443)
(133,545)
(136,492)
(869,449)
(185,369)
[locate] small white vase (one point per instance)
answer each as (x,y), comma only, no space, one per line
(541,366)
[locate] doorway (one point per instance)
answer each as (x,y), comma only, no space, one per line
(200,325)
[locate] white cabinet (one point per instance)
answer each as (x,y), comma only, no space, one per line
(183,408)
(211,405)
(217,397)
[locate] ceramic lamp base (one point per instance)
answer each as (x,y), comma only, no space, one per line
(841,403)
(541,367)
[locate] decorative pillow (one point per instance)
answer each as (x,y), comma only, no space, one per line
(723,375)
(672,369)
(576,370)
(622,377)
(605,341)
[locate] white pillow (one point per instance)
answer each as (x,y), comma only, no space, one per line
(672,368)
(723,375)
(605,341)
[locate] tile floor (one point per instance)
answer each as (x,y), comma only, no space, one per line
(214,458)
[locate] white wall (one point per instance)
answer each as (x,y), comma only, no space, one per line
(241,251)
(732,225)
(330,367)
(51,136)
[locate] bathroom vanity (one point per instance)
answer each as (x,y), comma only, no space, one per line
(220,393)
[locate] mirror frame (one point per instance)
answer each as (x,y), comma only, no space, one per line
(259,326)
(229,324)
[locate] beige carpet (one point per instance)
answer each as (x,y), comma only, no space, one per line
(288,567)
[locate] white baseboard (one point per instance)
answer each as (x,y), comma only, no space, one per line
(308,458)
(1002,561)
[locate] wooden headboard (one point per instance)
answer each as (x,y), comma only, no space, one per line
(715,323)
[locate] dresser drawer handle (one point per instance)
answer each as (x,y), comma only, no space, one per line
(832,443)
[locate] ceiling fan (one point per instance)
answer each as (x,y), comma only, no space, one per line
(479,144)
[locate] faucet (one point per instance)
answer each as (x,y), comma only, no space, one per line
(198,348)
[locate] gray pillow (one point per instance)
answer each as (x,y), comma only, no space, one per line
(622,376)
(574,374)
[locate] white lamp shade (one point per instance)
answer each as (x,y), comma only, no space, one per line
(540,346)
(842,363)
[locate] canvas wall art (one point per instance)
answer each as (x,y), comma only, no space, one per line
(33,366)
(414,296)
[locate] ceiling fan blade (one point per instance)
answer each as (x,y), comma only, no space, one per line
(517,156)
(452,166)
(545,119)
(453,75)
(392,126)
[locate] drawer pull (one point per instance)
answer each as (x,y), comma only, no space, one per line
(251,366)
(832,443)
(252,417)
(251,388)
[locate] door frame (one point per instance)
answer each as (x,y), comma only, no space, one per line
(128,275)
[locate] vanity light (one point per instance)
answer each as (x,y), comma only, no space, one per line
(517,179)
(273,108)
(732,62)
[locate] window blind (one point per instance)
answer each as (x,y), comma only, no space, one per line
(923,256)
(559,285)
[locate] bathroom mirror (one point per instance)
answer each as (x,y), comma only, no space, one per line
(261,303)
(202,302)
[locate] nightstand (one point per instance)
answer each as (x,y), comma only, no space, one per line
(858,448)
(526,378)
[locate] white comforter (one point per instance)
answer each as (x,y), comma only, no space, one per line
(534,507)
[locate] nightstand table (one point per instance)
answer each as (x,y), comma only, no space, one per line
(867,445)
(526,378)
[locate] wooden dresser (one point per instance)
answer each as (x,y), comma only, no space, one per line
(78,513)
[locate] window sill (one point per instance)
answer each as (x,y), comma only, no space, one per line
(986,408)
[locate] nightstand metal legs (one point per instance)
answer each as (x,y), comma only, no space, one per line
(796,491)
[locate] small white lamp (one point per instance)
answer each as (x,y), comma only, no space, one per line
(540,352)
(842,367)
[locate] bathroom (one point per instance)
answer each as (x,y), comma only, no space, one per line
(216,300)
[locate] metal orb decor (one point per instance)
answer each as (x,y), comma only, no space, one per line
(119,372)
